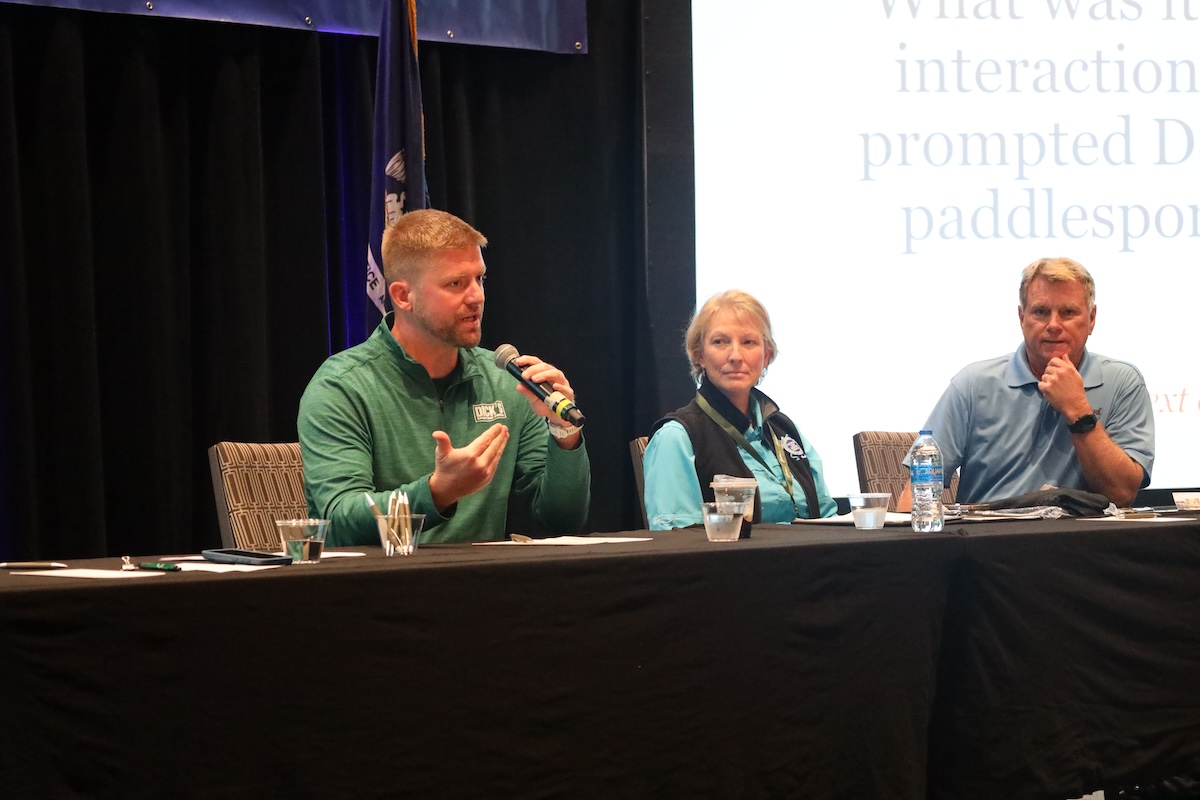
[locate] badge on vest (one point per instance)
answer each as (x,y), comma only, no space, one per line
(792,447)
(489,412)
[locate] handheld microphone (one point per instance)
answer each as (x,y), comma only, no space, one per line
(506,356)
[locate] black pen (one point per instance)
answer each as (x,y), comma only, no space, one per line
(32,565)
(165,566)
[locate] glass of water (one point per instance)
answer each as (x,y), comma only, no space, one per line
(302,539)
(722,521)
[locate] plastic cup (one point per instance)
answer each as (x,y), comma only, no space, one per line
(728,489)
(302,539)
(722,521)
(869,510)
(404,541)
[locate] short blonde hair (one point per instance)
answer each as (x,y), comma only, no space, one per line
(1058,270)
(411,241)
(746,310)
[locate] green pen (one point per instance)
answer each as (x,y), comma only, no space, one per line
(165,566)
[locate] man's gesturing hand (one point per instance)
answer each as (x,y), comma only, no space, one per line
(461,471)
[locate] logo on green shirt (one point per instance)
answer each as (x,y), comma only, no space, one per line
(488,412)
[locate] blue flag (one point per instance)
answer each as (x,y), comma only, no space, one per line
(398,162)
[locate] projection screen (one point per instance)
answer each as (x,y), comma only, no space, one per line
(879,172)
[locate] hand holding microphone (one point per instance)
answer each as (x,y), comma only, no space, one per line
(558,403)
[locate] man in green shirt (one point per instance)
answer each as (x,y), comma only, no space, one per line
(420,407)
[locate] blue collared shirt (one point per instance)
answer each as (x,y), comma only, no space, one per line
(673,494)
(994,425)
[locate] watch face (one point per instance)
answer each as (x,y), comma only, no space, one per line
(1084,424)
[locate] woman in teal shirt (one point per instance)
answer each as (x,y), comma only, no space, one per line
(731,427)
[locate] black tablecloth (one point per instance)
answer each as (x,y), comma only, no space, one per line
(1001,660)
(1070,660)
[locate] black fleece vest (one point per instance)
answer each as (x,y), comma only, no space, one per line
(718,454)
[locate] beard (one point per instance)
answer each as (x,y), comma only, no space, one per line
(447,332)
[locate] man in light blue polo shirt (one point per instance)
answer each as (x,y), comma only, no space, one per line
(1052,412)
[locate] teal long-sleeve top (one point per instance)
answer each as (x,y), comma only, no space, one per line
(672,492)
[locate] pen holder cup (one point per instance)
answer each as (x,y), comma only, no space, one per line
(398,539)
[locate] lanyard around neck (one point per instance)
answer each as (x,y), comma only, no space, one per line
(741,440)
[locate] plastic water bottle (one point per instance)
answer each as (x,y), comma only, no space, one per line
(925,471)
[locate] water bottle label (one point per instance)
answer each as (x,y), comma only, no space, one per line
(926,473)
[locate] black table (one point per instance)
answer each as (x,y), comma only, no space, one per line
(1070,659)
(1031,659)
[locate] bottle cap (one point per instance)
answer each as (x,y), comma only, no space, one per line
(927,433)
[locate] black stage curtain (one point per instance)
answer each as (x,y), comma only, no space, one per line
(195,194)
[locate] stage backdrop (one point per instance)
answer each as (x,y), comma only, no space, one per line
(907,160)
(182,232)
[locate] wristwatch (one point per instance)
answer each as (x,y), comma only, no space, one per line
(560,432)
(1085,423)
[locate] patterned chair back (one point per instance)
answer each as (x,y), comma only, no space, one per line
(637,451)
(255,484)
(879,455)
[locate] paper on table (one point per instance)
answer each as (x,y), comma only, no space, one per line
(182,561)
(103,574)
(328,554)
(185,564)
(1147,519)
(1028,512)
(892,518)
(576,540)
(213,566)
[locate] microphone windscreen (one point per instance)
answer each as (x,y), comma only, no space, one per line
(504,354)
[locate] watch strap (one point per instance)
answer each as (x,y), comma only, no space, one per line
(561,432)
(1085,423)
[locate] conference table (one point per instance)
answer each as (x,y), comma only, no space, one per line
(1031,659)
